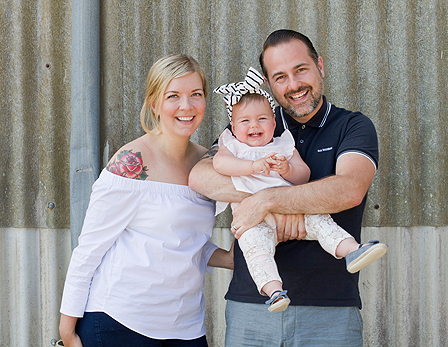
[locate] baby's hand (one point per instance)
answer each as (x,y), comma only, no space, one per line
(262,165)
(279,164)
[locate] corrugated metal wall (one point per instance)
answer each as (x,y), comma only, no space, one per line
(387,59)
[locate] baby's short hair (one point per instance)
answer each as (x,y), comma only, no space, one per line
(248,97)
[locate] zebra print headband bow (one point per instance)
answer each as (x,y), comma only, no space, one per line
(235,91)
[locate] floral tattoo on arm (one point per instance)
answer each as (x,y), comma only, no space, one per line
(128,164)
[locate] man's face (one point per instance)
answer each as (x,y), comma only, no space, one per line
(295,80)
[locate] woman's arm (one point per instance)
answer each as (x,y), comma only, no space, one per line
(67,331)
(222,258)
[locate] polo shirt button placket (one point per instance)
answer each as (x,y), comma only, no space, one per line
(301,141)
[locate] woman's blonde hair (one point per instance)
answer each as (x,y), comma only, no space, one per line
(161,74)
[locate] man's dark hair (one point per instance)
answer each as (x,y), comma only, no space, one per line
(283,36)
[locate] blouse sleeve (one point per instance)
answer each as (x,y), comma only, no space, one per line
(110,211)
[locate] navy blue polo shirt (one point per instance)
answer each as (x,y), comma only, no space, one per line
(312,276)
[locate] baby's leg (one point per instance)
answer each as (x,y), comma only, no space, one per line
(340,243)
(323,228)
(258,246)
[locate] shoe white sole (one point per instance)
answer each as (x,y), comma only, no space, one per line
(280,305)
(368,257)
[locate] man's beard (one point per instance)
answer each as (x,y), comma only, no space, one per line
(316,95)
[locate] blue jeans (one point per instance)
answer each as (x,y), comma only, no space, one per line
(97,329)
(253,325)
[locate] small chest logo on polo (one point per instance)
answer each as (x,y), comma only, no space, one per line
(326,149)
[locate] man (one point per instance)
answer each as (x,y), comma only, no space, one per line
(341,149)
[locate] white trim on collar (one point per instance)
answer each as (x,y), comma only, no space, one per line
(324,119)
(285,125)
(326,115)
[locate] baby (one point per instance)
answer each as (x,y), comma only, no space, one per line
(255,160)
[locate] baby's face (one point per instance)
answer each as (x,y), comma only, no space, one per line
(253,122)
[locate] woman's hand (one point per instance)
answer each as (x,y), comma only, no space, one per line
(73,341)
(67,331)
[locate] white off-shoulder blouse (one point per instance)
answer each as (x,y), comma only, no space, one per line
(141,258)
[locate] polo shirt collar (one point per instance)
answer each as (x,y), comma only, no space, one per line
(318,120)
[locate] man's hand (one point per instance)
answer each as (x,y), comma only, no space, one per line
(290,227)
(254,209)
(247,214)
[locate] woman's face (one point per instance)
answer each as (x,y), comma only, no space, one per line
(183,105)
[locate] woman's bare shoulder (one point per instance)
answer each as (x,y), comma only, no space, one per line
(199,151)
(128,160)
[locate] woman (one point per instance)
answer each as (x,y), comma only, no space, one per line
(136,278)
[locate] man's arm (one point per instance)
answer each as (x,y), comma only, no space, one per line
(342,191)
(206,181)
